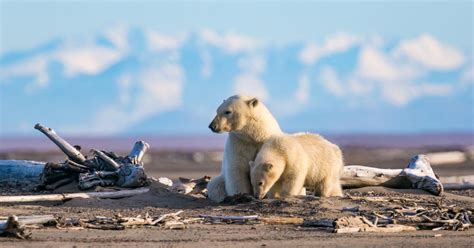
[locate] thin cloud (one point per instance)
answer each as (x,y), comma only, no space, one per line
(337,43)
(230,42)
(302,91)
(249,81)
(159,89)
(431,53)
(330,80)
(161,42)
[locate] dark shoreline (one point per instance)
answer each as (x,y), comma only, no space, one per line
(217,142)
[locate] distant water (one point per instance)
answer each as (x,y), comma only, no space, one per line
(217,142)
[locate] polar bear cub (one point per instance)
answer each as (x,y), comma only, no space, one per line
(287,163)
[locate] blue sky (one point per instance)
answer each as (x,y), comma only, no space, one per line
(154,67)
(25,24)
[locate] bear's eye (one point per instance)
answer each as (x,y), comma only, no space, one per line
(228,112)
(260,183)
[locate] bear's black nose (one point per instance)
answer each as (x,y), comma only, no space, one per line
(212,127)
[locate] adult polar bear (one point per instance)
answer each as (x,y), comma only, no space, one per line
(249,124)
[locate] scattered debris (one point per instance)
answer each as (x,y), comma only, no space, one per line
(167,221)
(104,168)
(229,219)
(352,224)
(191,186)
(318,223)
(351,209)
(418,213)
(165,181)
(15,226)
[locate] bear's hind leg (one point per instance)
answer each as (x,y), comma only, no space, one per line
(216,189)
(330,187)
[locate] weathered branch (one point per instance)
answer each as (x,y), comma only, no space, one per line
(138,151)
(67,196)
(106,159)
(67,148)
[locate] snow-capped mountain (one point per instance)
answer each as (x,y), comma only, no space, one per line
(129,81)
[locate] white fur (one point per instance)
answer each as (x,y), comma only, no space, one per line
(249,125)
(287,163)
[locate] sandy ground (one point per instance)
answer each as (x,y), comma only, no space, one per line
(174,164)
(238,236)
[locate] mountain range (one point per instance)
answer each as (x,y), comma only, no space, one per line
(132,81)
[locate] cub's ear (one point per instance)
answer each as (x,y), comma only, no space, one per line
(268,166)
(251,164)
(253,102)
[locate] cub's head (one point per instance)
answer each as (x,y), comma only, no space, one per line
(263,175)
(234,113)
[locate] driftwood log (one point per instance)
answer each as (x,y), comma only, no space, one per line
(15,226)
(68,196)
(14,173)
(418,175)
(458,182)
(447,158)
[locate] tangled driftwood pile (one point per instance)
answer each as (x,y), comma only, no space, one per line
(103,168)
(401,213)
(167,221)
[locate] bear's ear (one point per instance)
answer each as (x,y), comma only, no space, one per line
(268,166)
(253,102)
(251,164)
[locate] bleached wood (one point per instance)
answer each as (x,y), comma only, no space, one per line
(66,196)
(29,220)
(458,179)
(67,148)
(391,228)
(229,217)
(418,175)
(138,151)
(282,220)
(446,158)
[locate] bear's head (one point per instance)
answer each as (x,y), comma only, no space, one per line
(234,114)
(264,173)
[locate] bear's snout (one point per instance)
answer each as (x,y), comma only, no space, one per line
(213,127)
(259,195)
